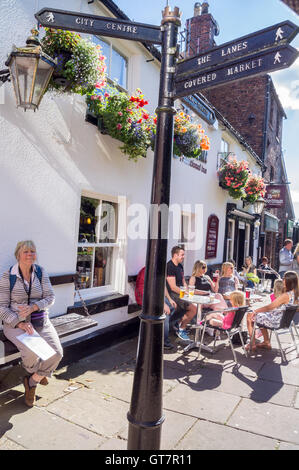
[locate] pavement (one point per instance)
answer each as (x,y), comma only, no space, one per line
(209,404)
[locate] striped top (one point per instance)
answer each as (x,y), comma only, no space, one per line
(42,295)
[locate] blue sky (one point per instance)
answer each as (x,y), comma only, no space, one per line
(237,18)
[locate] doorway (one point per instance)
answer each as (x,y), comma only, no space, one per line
(241,248)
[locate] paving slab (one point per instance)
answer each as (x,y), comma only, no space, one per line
(205,435)
(92,410)
(241,385)
(7,444)
(114,444)
(296,405)
(37,429)
(288,446)
(205,404)
(266,419)
(174,428)
(281,373)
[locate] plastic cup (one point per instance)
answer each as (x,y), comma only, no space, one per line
(247,293)
(215,277)
(191,290)
(182,292)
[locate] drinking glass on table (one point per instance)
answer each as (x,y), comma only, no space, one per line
(191,290)
(216,276)
(182,292)
(247,293)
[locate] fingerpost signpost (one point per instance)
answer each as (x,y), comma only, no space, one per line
(259,53)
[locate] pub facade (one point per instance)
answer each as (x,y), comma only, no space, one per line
(64,182)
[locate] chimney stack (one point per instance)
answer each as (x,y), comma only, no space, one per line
(201,30)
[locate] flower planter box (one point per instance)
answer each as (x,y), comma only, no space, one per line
(101,126)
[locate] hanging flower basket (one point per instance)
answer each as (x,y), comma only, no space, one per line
(80,63)
(233,176)
(255,188)
(124,118)
(189,138)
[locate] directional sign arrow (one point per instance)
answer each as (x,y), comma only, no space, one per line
(281,33)
(92,24)
(264,62)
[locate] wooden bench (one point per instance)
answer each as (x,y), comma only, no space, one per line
(65,325)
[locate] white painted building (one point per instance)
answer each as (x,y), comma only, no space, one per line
(52,159)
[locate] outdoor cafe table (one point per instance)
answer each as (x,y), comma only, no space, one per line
(199,300)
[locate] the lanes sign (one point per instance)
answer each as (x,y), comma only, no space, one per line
(281,33)
(99,25)
(271,60)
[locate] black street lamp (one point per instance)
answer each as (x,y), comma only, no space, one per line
(30,72)
(145,416)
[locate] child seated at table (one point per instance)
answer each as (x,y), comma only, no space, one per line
(277,289)
(225,320)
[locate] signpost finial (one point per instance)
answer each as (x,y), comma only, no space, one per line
(171,16)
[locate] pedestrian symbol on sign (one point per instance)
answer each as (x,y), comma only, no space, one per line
(279,34)
(50,18)
(277,58)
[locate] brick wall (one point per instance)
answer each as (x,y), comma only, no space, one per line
(238,101)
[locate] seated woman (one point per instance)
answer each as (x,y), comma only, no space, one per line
(249,268)
(204,284)
(228,281)
(225,321)
(271,314)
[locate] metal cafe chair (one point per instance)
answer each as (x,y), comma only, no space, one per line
(235,328)
(286,325)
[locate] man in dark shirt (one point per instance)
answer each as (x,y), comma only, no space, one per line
(174,279)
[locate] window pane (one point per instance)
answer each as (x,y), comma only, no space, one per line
(84,267)
(105,51)
(118,69)
(102,266)
(89,211)
(107,228)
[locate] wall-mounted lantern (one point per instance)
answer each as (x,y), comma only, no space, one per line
(30,72)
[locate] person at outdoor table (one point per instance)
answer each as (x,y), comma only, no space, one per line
(265,266)
(204,284)
(225,321)
(285,257)
(236,274)
(174,280)
(249,268)
(270,315)
(228,281)
(24,307)
(278,289)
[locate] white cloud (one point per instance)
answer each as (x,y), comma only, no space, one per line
(289,95)
(295,196)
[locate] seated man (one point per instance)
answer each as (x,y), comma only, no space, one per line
(174,279)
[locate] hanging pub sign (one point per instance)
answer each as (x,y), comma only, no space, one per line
(275,196)
(212,237)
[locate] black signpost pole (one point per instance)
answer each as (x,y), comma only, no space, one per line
(145,415)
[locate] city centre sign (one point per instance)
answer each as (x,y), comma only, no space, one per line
(99,25)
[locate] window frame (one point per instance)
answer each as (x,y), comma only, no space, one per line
(113,286)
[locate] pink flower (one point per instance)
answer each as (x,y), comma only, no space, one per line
(106,94)
(120,113)
(119,126)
